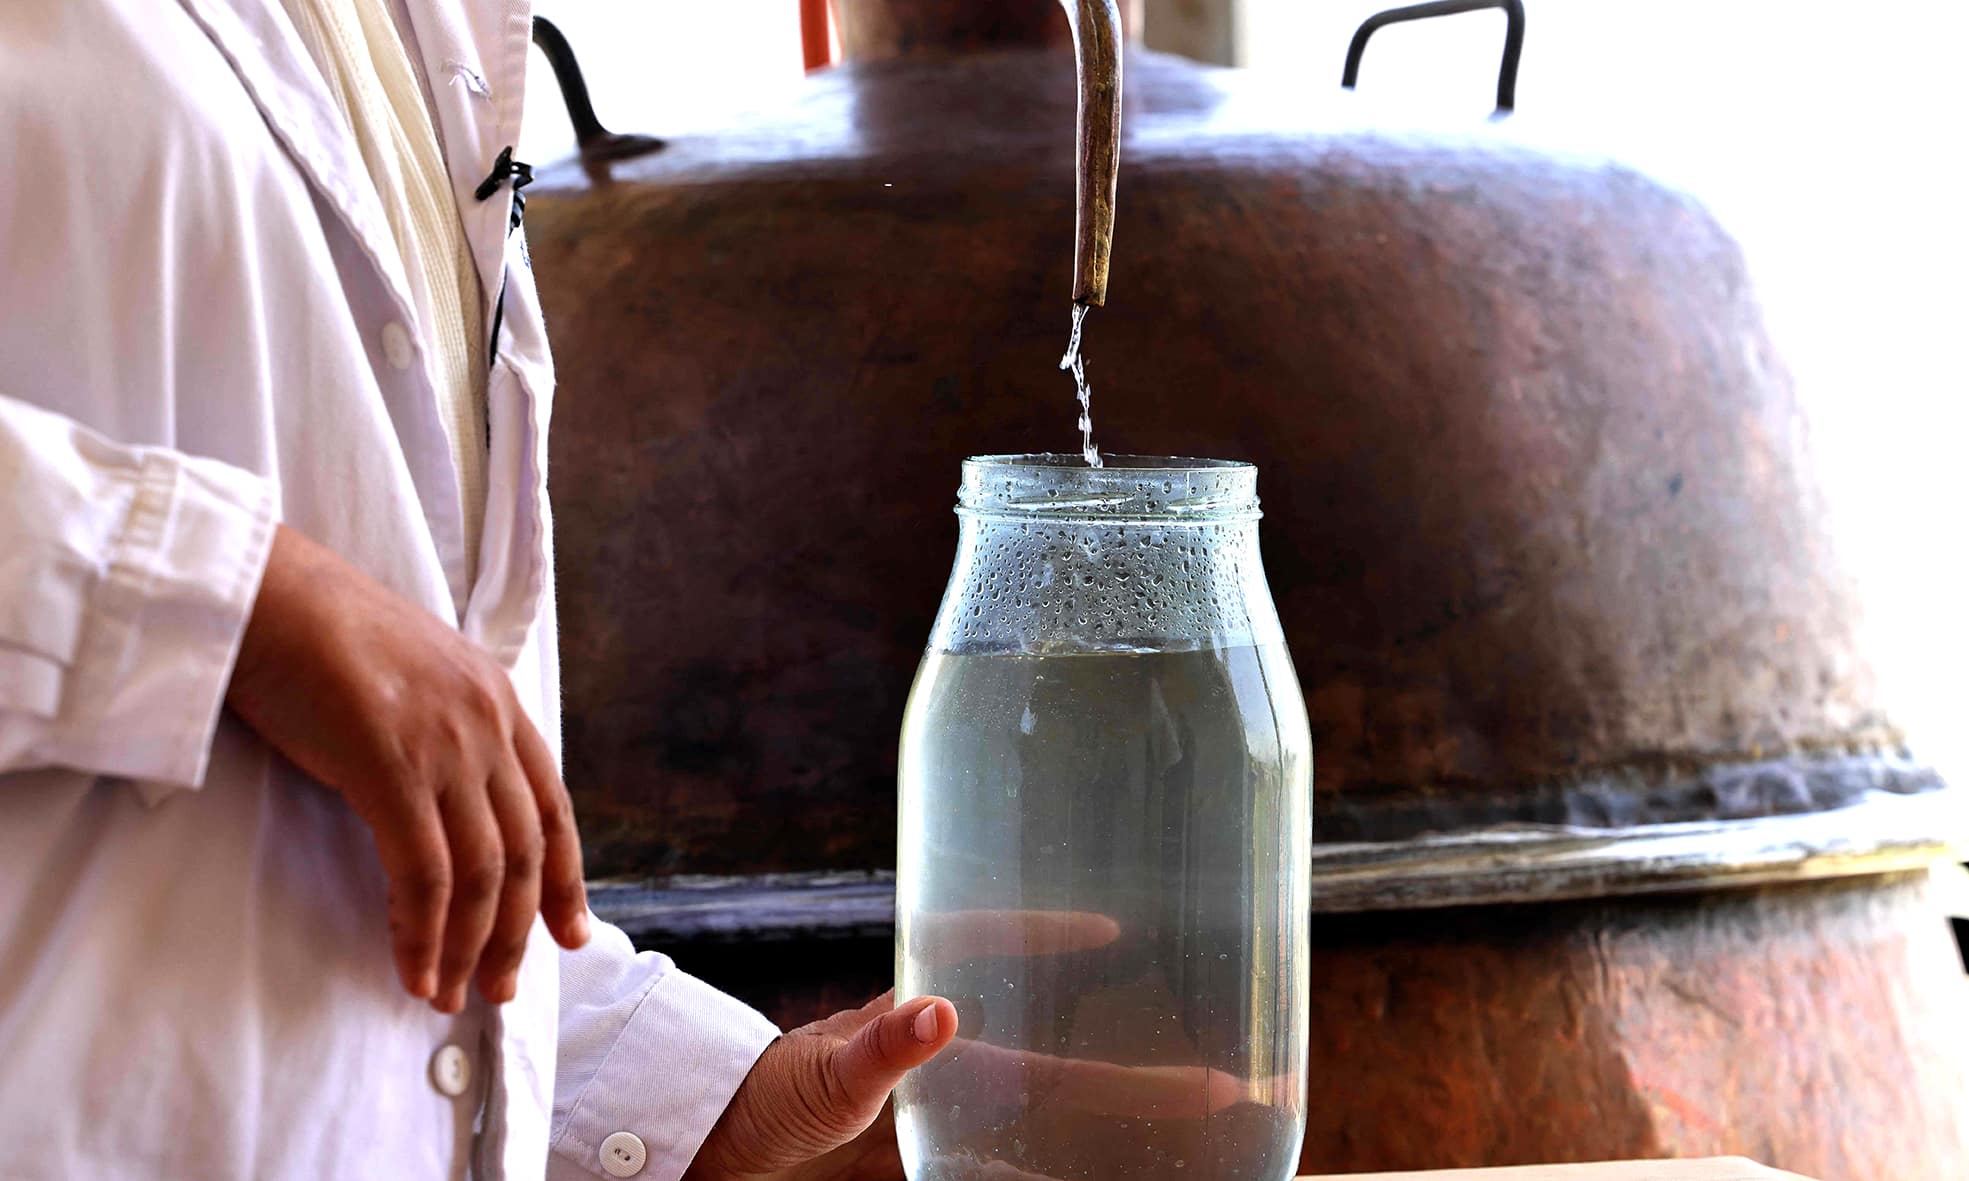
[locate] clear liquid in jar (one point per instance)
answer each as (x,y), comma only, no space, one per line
(1101,867)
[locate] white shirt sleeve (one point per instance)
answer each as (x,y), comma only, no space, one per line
(645,1050)
(126,577)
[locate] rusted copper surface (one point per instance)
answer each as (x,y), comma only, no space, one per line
(1539,516)
(1816,1027)
(879,30)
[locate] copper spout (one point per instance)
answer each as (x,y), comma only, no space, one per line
(1097,129)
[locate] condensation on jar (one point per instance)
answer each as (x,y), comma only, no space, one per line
(1105,815)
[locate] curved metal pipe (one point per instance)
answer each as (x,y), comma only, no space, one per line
(596,142)
(1514,39)
(1097,132)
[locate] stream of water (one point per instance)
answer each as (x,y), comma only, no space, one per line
(1077,365)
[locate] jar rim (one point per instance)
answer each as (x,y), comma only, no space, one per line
(1153,489)
(1109,463)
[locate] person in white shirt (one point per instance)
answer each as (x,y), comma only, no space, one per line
(289,883)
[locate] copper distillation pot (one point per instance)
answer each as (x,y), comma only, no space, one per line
(1617,852)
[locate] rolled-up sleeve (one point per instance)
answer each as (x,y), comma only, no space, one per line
(126,578)
(646,1051)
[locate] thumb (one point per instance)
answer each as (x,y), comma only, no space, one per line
(870,1064)
(813,1091)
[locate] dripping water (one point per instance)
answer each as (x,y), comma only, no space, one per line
(1077,365)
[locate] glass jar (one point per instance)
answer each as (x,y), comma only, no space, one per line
(1105,814)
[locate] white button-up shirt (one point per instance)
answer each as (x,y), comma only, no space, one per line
(202,332)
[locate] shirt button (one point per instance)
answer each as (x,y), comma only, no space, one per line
(623,1155)
(396,345)
(451,1071)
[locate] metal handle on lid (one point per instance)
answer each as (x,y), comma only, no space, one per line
(597,143)
(1514,39)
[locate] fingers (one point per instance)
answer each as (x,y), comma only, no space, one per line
(958,935)
(563,896)
(964,1166)
(1149,1092)
(870,1064)
(1108,1088)
(467,883)
(417,862)
(478,877)
(528,862)
(519,899)
(425,737)
(880,1152)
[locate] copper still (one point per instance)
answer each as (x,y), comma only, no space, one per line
(1619,855)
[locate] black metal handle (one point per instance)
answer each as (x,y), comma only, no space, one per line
(596,142)
(1514,39)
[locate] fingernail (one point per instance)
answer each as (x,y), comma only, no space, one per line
(426,986)
(925,1026)
(578,929)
